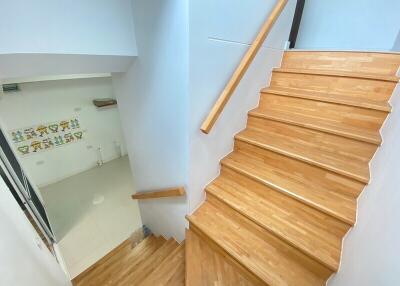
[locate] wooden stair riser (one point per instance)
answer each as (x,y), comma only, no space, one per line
(332,114)
(169,272)
(326,127)
(107,265)
(243,232)
(317,219)
(105,270)
(209,266)
(337,73)
(341,99)
(362,177)
(298,256)
(372,90)
(224,256)
(377,63)
(302,172)
(297,185)
(329,145)
(136,265)
(330,260)
(334,153)
(145,252)
(147,266)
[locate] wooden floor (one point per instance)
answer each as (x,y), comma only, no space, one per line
(287,195)
(210,266)
(155,261)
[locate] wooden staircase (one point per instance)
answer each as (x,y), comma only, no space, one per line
(287,195)
(155,261)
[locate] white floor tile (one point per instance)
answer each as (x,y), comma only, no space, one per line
(86,231)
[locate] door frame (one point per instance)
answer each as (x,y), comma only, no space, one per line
(21,188)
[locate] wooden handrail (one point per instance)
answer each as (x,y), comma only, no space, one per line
(165,193)
(242,68)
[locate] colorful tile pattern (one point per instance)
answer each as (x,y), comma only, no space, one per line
(43,137)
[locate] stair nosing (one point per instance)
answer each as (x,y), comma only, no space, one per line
(203,230)
(291,194)
(334,268)
(304,159)
(376,107)
(256,113)
(334,73)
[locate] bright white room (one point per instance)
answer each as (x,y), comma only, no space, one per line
(74,155)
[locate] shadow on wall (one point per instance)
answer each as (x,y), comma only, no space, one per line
(396,46)
(371,249)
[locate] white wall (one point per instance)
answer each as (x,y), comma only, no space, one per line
(216,46)
(349,25)
(155,94)
(88,36)
(24,259)
(97,27)
(154,109)
(371,250)
(50,101)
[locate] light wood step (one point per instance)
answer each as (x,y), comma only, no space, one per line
(335,153)
(356,88)
(316,234)
(117,264)
(338,116)
(332,98)
(261,253)
(358,62)
(170,272)
(319,124)
(338,73)
(206,266)
(326,191)
(143,269)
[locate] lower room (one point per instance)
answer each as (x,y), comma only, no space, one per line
(70,145)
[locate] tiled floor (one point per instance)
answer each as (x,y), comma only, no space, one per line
(92,212)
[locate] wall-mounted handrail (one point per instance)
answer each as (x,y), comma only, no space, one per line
(165,193)
(243,67)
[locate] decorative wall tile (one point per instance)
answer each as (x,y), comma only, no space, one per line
(44,137)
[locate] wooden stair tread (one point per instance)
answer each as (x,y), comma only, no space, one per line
(289,146)
(287,194)
(170,271)
(330,97)
(205,266)
(298,186)
(350,61)
(315,233)
(119,263)
(138,274)
(262,254)
(335,116)
(339,73)
(310,122)
(358,89)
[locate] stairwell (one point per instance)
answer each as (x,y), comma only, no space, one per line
(287,195)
